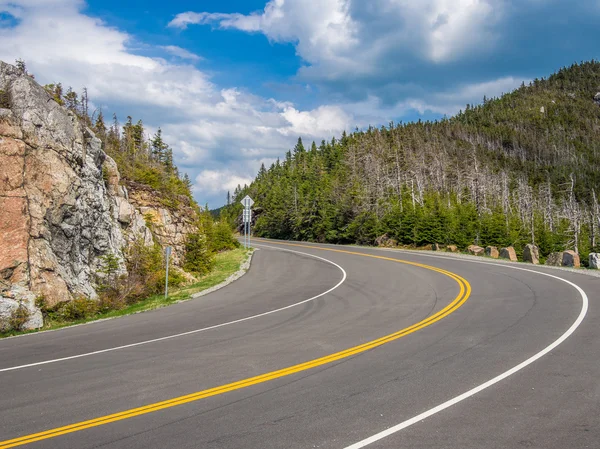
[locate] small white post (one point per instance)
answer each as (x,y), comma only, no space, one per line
(167,256)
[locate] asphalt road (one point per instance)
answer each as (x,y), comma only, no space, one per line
(509,316)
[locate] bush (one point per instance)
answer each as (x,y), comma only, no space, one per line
(77,309)
(223,238)
(4,100)
(18,318)
(198,256)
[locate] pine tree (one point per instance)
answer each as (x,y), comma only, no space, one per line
(100,127)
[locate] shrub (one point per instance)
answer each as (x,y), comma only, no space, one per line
(77,309)
(198,256)
(223,238)
(18,318)
(4,100)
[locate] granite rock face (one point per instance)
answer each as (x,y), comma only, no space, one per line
(60,212)
(595,261)
(170,226)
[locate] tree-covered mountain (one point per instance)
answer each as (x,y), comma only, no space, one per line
(522,168)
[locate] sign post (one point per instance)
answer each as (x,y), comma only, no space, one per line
(167,257)
(247,202)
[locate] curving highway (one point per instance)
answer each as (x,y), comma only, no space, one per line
(322,346)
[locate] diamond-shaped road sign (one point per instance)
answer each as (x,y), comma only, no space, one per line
(247,202)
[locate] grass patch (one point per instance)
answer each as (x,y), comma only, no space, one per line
(226,264)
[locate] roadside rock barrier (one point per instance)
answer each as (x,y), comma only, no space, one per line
(451,249)
(508,253)
(476,250)
(564,259)
(595,261)
(435,247)
(531,254)
(571,259)
(492,251)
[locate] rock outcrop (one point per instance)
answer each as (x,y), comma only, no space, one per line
(531,254)
(476,250)
(63,207)
(595,261)
(170,225)
(508,253)
(492,251)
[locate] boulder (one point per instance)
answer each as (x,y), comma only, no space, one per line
(597,98)
(476,250)
(595,261)
(508,253)
(451,249)
(435,247)
(570,259)
(554,259)
(492,251)
(380,241)
(531,254)
(564,259)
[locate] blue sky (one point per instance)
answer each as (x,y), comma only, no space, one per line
(234,83)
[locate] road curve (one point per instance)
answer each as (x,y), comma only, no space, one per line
(211,376)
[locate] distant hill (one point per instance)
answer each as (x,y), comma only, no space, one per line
(513,170)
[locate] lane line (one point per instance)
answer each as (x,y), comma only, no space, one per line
(409,422)
(459,300)
(216,326)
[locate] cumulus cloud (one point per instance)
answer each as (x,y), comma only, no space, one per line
(211,128)
(358,34)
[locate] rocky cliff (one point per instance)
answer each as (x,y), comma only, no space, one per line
(62,203)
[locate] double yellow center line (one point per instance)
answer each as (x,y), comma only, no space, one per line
(463,295)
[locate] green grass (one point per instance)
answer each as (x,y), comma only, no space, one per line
(226,264)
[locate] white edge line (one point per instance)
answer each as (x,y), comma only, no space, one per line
(489,383)
(169,337)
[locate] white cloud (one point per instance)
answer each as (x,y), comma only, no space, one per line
(209,127)
(334,36)
(217,181)
(181,53)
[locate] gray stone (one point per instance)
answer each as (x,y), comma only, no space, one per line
(597,98)
(554,259)
(531,254)
(595,261)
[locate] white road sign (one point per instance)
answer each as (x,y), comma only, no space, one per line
(247,215)
(247,202)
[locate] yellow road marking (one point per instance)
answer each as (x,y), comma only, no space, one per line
(465,291)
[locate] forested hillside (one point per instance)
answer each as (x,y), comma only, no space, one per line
(523,168)
(140,158)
